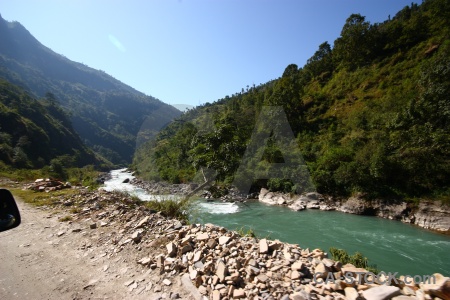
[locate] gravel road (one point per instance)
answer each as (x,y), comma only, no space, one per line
(44,258)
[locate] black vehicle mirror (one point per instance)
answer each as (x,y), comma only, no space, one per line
(9,213)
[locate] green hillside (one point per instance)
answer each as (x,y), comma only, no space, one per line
(106,113)
(369,114)
(35,132)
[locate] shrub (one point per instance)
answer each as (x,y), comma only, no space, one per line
(357,259)
(172,208)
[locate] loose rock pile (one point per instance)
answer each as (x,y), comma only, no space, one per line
(48,185)
(160,188)
(224,265)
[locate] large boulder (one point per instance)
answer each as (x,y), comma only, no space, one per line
(297,205)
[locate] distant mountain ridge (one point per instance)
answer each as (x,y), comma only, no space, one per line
(106,113)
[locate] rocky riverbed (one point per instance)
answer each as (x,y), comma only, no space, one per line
(432,215)
(184,189)
(163,188)
(220,263)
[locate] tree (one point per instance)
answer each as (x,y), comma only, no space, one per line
(51,99)
(356,45)
(320,64)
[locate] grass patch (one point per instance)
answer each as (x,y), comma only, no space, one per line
(357,259)
(246,232)
(75,210)
(20,174)
(65,219)
(42,198)
(85,176)
(172,208)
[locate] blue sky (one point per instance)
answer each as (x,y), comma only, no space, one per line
(186,51)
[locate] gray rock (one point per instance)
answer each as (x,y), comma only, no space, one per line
(199,265)
(351,293)
(238,294)
(171,249)
(193,274)
(381,292)
(262,193)
(143,222)
(313,196)
(313,204)
(202,290)
(186,248)
(157,288)
(262,277)
(322,269)
(144,261)
(216,295)
(297,266)
(295,275)
(211,243)
(129,282)
(300,295)
(202,236)
(136,236)
(440,287)
(177,225)
(297,205)
(221,270)
(403,297)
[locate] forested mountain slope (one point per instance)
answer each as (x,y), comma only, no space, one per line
(34,132)
(106,113)
(370,114)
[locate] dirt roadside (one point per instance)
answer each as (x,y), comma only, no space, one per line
(44,258)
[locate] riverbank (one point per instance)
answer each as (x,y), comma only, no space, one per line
(185,189)
(431,215)
(220,263)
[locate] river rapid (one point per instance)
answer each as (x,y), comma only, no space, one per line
(391,245)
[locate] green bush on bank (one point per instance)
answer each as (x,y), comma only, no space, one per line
(171,208)
(357,259)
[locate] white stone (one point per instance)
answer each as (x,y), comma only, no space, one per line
(351,293)
(381,292)
(238,293)
(263,246)
(223,240)
(202,236)
(221,271)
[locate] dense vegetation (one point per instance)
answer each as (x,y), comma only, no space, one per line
(369,115)
(37,133)
(107,114)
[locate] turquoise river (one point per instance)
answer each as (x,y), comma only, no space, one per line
(391,245)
